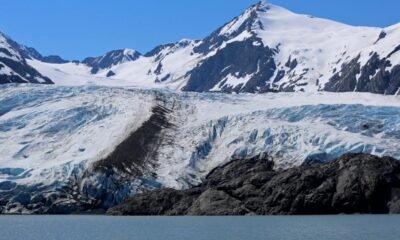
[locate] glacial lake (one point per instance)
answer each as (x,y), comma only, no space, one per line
(195,228)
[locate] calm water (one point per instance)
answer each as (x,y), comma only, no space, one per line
(193,228)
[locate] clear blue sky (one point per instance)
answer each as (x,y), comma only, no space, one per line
(76,29)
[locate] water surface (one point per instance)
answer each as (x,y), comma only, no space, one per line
(196,228)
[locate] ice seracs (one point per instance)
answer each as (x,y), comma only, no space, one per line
(53,137)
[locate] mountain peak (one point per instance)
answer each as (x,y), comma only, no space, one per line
(253,18)
(129,52)
(262,5)
(111,58)
(125,51)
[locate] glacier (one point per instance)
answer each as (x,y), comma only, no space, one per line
(53,138)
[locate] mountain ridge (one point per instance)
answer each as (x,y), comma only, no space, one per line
(265,49)
(14,67)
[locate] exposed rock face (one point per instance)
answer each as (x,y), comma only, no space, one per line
(111,58)
(245,60)
(20,72)
(373,77)
(31,53)
(353,183)
(13,66)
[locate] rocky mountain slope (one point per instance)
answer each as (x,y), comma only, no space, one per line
(13,65)
(353,183)
(266,49)
(110,59)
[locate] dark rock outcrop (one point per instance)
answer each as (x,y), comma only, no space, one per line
(31,53)
(12,58)
(373,77)
(134,154)
(237,59)
(353,183)
(110,59)
(22,72)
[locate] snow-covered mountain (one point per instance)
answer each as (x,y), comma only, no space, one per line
(33,54)
(13,65)
(65,149)
(110,59)
(267,48)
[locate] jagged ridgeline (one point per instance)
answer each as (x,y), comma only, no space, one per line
(265,49)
